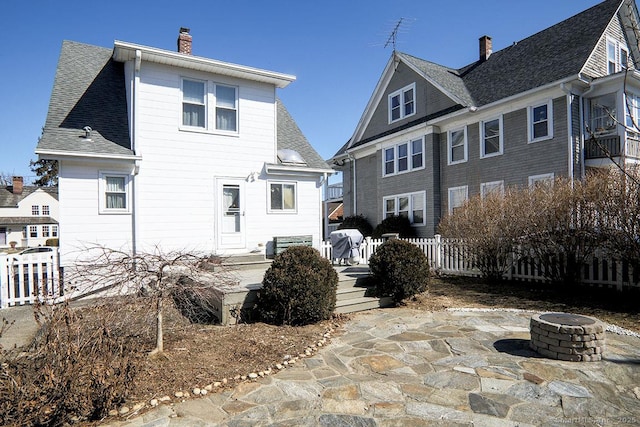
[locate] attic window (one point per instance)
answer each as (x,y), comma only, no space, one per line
(291,157)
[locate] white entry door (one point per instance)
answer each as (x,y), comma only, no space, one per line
(231,212)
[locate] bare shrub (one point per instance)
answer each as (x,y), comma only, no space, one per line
(78,368)
(486,228)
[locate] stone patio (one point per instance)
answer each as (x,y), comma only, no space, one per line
(402,367)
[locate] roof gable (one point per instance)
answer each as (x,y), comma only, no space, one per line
(10,200)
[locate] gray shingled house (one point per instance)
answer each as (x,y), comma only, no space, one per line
(553,104)
(166,149)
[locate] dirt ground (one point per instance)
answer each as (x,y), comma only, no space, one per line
(198,355)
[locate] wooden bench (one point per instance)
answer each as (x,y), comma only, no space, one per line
(280,243)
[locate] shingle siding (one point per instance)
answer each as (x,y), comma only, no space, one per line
(596,65)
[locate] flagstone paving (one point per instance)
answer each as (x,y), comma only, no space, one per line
(402,367)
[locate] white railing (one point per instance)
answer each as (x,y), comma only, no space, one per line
(447,256)
(27,278)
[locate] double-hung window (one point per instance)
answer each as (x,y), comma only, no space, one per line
(491,141)
(410,205)
(35,210)
(457,197)
(226,108)
(282,197)
(540,122)
(617,56)
(45,210)
(493,187)
(402,103)
(541,180)
(457,146)
(403,157)
(45,231)
(194,105)
(197,95)
(114,193)
(54,231)
(33,231)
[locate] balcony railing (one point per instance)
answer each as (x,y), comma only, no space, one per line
(602,147)
(609,146)
(334,191)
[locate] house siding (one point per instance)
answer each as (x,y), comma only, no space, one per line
(428,98)
(596,65)
(519,160)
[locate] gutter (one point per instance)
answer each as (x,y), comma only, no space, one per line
(352,160)
(76,155)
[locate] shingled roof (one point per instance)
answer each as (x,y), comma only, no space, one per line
(553,54)
(88,90)
(9,200)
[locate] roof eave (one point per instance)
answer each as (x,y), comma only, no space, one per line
(61,154)
(295,170)
(123,51)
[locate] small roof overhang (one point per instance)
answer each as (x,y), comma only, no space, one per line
(123,51)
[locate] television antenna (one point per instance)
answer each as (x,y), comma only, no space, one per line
(393,37)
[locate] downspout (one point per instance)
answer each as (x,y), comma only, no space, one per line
(569,97)
(324,221)
(352,160)
(136,170)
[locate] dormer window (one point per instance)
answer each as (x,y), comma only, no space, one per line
(402,103)
(617,56)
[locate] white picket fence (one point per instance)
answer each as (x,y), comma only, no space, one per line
(30,277)
(448,257)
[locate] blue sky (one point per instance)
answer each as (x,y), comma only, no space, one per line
(334,48)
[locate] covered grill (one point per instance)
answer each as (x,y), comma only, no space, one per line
(345,245)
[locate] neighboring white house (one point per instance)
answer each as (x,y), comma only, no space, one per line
(165,149)
(28,214)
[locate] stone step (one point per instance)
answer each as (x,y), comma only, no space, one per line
(352,292)
(362,304)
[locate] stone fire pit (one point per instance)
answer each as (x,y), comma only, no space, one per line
(565,336)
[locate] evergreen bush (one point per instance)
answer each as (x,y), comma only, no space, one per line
(399,269)
(358,222)
(299,288)
(394,224)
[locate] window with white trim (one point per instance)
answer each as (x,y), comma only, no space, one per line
(409,205)
(402,103)
(198,94)
(492,187)
(617,56)
(540,119)
(282,197)
(457,146)
(491,140)
(404,157)
(45,210)
(35,210)
(603,114)
(457,197)
(33,231)
(54,231)
(114,193)
(45,231)
(545,179)
(194,107)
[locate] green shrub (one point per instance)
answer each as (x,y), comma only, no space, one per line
(299,288)
(394,224)
(52,242)
(358,222)
(399,269)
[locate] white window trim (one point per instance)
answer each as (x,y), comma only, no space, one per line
(102,187)
(530,123)
(482,139)
(486,185)
(410,167)
(618,46)
(283,210)
(54,231)
(450,146)
(542,177)
(455,189)
(401,92)
(395,197)
(210,106)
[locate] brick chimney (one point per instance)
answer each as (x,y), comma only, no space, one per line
(17,185)
(485,48)
(184,41)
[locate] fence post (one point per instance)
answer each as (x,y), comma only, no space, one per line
(4,281)
(438,251)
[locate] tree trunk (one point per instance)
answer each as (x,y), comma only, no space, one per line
(159,337)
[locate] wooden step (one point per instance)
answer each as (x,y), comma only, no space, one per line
(362,304)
